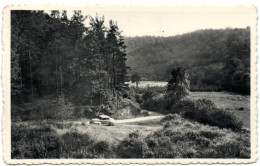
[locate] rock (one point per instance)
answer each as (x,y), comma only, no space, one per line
(241,108)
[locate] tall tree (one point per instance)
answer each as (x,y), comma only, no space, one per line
(117,63)
(177,87)
(52,53)
(16,78)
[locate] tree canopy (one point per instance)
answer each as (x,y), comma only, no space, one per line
(54,55)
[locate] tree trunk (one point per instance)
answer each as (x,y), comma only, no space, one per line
(117,100)
(56,74)
(91,97)
(61,78)
(114,75)
(21,82)
(31,75)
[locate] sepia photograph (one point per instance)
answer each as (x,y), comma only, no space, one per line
(129,82)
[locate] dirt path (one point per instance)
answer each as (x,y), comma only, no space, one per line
(139,119)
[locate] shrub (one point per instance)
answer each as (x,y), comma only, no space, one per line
(102,149)
(125,95)
(200,111)
(170,117)
(225,119)
(138,99)
(199,141)
(32,143)
(204,111)
(183,106)
(147,95)
(161,147)
(132,147)
(155,105)
(74,141)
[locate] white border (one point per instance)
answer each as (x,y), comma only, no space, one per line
(137,160)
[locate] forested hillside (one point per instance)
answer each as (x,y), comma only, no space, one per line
(58,56)
(215,59)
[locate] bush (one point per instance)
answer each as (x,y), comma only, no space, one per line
(161,146)
(132,147)
(147,95)
(197,141)
(74,141)
(138,99)
(204,111)
(179,138)
(102,149)
(155,105)
(125,95)
(225,119)
(170,117)
(200,111)
(183,106)
(32,143)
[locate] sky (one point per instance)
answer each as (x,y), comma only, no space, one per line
(170,21)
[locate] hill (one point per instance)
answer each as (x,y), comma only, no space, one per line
(207,54)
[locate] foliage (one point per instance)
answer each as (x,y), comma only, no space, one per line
(40,142)
(136,78)
(132,147)
(57,55)
(51,110)
(177,87)
(43,142)
(170,117)
(204,111)
(148,94)
(183,139)
(176,138)
(155,105)
(153,89)
(207,54)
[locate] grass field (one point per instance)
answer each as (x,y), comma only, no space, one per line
(238,104)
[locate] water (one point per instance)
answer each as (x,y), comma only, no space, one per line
(144,84)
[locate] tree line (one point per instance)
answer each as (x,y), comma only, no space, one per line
(53,55)
(215,59)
